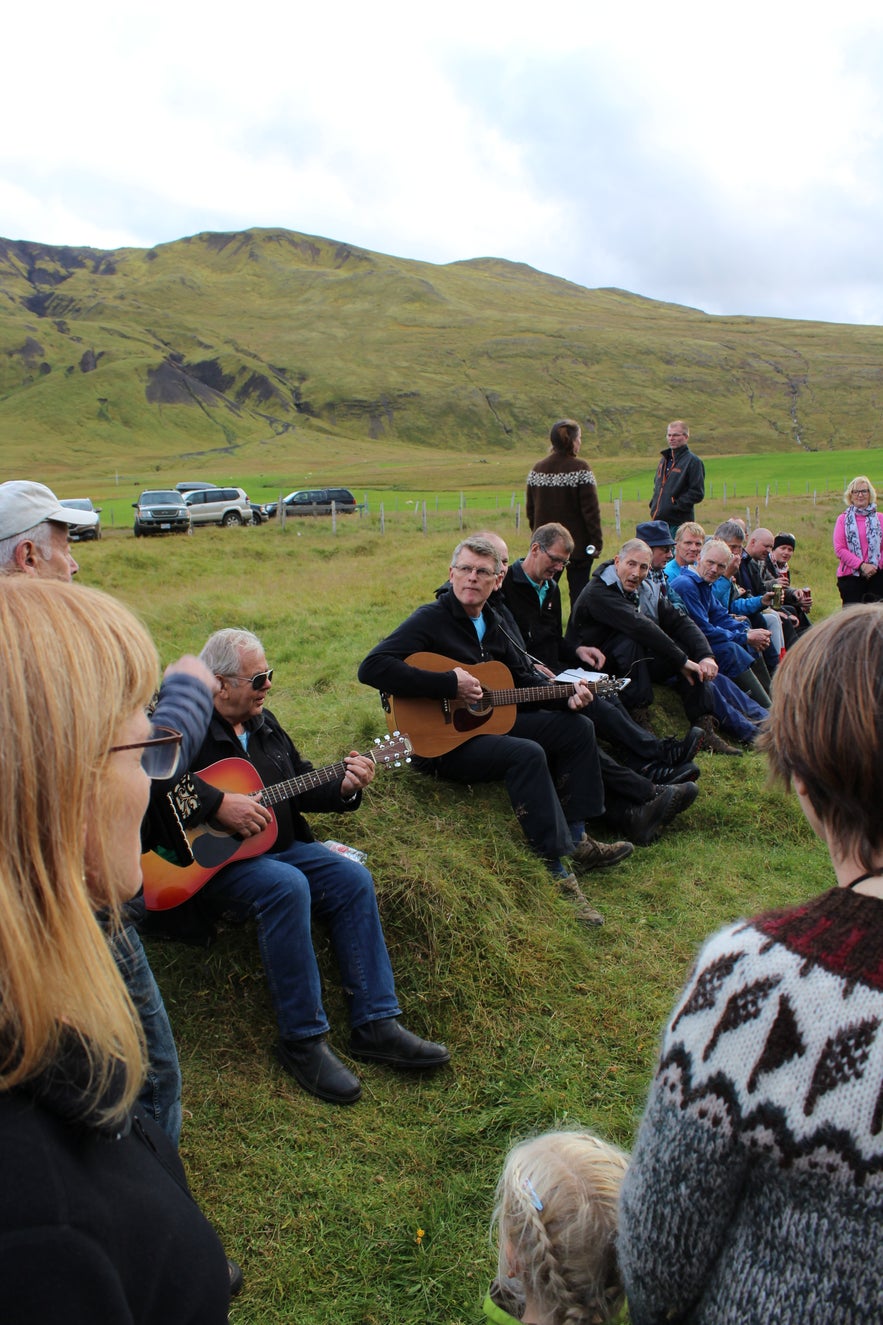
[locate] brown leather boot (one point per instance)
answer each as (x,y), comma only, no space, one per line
(711,741)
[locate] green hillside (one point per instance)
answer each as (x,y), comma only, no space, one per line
(269,345)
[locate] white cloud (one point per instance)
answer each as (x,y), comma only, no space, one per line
(727,158)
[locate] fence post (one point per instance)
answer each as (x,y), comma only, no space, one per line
(725,494)
(382,519)
(766,500)
(617,520)
(334,517)
(517,516)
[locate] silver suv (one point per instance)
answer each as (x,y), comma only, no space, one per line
(225,506)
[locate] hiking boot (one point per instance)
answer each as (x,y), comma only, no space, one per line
(681,752)
(592,855)
(668,773)
(714,744)
(644,823)
(582,907)
(681,799)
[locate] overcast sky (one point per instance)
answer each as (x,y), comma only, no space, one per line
(725,157)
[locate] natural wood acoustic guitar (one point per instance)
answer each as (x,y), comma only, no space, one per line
(436,726)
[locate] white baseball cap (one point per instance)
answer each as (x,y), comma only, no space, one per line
(24,504)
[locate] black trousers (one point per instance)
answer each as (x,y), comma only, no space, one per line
(630,659)
(550,764)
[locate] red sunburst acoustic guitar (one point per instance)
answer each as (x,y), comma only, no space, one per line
(436,726)
(167,885)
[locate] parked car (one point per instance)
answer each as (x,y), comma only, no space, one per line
(258,512)
(193,487)
(80,532)
(224,506)
(161,511)
(316,501)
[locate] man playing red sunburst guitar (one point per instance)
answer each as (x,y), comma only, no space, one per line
(547,757)
(283,886)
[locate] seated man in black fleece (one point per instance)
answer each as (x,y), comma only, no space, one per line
(531,594)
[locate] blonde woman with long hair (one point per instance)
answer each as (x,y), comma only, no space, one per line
(96,1221)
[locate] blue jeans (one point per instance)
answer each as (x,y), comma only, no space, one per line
(161,1093)
(281,890)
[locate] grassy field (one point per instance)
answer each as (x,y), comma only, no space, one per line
(734,483)
(379,1213)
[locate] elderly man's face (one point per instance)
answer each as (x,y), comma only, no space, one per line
(713,564)
(632,569)
(676,438)
(661,556)
(59,564)
(759,544)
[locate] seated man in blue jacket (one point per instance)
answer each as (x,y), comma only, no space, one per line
(737,646)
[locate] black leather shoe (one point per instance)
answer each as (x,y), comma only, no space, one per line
(318,1070)
(644,823)
(235,1274)
(388,1042)
(681,752)
(670,774)
(681,799)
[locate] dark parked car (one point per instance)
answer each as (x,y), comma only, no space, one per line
(193,487)
(80,532)
(258,512)
(316,501)
(161,511)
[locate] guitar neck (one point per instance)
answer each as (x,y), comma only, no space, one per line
(530,694)
(291,787)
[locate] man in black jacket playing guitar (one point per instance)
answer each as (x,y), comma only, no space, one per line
(294,877)
(548,761)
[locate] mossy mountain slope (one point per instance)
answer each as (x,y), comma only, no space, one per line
(228,341)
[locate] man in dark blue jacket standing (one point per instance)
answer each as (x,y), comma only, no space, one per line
(679,485)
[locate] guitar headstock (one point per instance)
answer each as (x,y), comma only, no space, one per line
(391,751)
(610,685)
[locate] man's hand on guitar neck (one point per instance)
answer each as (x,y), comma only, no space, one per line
(581,696)
(359,772)
(243,815)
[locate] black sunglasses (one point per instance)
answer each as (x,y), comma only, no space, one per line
(258,681)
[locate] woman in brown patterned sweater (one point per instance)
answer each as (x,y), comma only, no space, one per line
(756,1188)
(561,489)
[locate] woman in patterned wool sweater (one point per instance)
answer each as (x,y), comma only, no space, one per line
(561,489)
(756,1188)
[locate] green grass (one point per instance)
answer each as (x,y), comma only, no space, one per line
(548,1024)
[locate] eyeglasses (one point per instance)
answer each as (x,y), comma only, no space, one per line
(159,753)
(556,561)
(481,572)
(861,492)
(258,681)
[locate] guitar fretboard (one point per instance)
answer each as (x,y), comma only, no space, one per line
(318,777)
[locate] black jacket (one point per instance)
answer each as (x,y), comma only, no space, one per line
(276,759)
(540,624)
(678,486)
(602,612)
(99,1225)
(440,627)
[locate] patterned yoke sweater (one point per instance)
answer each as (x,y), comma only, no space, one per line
(755,1194)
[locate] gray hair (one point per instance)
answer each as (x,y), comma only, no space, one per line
(481,547)
(635,545)
(730,532)
(39,534)
(222,651)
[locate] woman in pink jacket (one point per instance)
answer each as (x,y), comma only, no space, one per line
(858,544)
